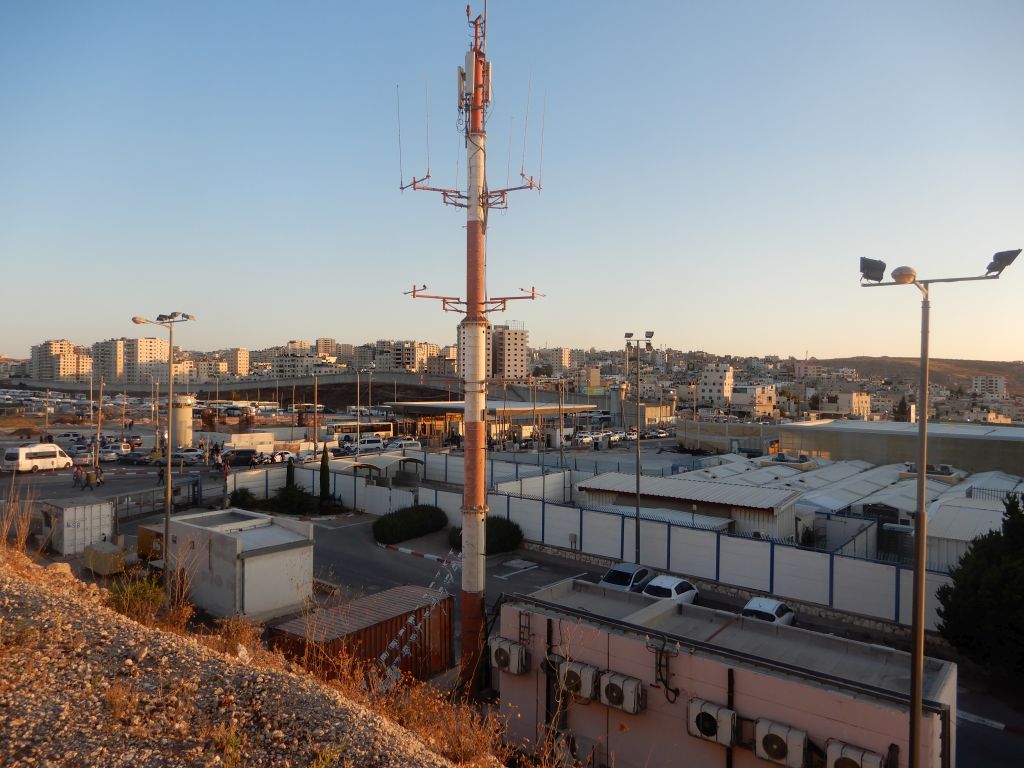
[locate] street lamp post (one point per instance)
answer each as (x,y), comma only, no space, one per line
(168,322)
(872,273)
(648,335)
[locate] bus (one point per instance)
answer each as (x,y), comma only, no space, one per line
(32,458)
(345,431)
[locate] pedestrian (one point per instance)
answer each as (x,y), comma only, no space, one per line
(227,470)
(87,482)
(131,423)
(160,475)
(99,476)
(76,476)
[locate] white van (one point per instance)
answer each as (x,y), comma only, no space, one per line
(66,438)
(412,445)
(367,444)
(32,458)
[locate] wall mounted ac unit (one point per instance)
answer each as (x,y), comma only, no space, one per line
(780,744)
(579,679)
(839,754)
(711,722)
(623,692)
(509,656)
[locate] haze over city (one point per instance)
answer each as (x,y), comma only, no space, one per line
(712,173)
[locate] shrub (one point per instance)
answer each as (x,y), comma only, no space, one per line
(502,536)
(242,498)
(138,599)
(293,501)
(408,523)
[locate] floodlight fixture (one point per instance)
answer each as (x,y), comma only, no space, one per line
(872,270)
(1001,261)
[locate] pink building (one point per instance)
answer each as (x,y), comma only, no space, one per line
(631,682)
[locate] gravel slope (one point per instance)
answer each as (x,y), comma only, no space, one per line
(81,685)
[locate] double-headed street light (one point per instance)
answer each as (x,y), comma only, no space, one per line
(648,335)
(872,273)
(168,322)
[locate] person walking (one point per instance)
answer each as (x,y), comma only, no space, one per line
(99,477)
(76,476)
(87,481)
(160,475)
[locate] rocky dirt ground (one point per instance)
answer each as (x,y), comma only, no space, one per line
(81,685)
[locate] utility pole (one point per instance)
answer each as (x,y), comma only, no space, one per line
(474,96)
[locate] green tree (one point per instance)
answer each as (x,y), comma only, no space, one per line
(325,477)
(815,402)
(902,411)
(982,611)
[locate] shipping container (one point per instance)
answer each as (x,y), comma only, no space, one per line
(76,526)
(411,626)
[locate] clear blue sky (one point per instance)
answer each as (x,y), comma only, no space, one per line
(712,171)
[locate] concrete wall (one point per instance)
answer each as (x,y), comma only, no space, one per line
(277,583)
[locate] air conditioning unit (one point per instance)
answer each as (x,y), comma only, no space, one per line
(711,722)
(623,692)
(579,679)
(509,656)
(839,754)
(780,744)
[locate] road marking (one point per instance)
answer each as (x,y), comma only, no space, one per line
(978,720)
(508,576)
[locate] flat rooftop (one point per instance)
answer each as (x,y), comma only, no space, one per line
(935,429)
(785,650)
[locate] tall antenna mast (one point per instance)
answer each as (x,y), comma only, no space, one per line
(474,97)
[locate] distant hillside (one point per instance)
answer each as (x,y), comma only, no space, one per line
(949,373)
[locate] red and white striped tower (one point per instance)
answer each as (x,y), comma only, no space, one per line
(474,328)
(474,97)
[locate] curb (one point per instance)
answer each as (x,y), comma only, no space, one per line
(414,553)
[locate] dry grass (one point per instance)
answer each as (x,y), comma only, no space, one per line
(225,743)
(15,521)
(123,700)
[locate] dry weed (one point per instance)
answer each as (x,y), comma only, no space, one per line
(123,700)
(226,742)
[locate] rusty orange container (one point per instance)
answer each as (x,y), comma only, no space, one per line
(410,625)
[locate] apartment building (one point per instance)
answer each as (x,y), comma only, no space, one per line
(559,358)
(845,404)
(325,347)
(445,362)
(715,385)
(144,358)
(108,359)
(760,401)
(60,360)
(391,355)
(989,385)
(508,348)
(237,360)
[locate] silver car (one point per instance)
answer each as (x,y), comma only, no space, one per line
(627,577)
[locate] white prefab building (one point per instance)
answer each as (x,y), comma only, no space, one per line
(243,562)
(621,679)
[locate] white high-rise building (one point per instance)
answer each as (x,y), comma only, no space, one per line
(144,358)
(108,359)
(508,351)
(715,385)
(995,386)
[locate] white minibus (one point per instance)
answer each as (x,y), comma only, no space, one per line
(32,458)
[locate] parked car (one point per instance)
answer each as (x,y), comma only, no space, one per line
(82,459)
(659,433)
(671,588)
(582,438)
(134,440)
(134,458)
(109,454)
(177,457)
(195,452)
(240,457)
(404,442)
(627,577)
(768,609)
(282,457)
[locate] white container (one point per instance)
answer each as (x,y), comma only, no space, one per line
(76,526)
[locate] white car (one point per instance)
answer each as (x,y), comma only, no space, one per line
(109,454)
(672,588)
(281,457)
(582,438)
(768,609)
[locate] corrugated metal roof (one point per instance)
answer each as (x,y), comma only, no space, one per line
(935,429)
(673,487)
(903,495)
(341,620)
(823,476)
(674,516)
(842,494)
(964,519)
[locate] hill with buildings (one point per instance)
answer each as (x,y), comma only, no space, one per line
(949,373)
